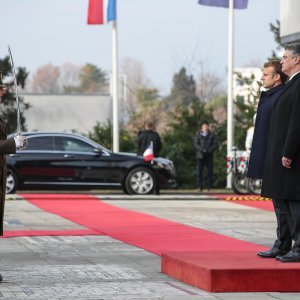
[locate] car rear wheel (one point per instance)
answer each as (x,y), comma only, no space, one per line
(12,182)
(140,181)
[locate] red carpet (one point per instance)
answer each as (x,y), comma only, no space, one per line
(19,233)
(232,271)
(144,231)
(198,257)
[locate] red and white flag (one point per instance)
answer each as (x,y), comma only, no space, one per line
(148,154)
(102,11)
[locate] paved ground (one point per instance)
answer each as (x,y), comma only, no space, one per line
(98,267)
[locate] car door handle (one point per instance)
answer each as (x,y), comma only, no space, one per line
(14,155)
(68,156)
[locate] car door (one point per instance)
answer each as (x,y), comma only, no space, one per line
(91,165)
(38,163)
(80,157)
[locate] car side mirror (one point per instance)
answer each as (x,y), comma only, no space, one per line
(98,151)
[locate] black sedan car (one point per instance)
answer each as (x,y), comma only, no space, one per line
(56,160)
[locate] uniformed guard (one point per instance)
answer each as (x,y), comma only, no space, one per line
(7,146)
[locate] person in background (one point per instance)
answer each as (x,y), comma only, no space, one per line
(205,143)
(7,146)
(147,136)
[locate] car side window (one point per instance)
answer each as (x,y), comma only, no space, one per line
(72,145)
(40,143)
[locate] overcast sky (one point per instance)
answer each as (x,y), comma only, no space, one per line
(163,34)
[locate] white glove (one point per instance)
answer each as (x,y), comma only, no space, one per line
(21,141)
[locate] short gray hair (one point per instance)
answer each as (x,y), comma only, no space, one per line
(294,48)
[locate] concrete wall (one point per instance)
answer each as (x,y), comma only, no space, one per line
(66,112)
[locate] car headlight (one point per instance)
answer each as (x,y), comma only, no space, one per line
(167,165)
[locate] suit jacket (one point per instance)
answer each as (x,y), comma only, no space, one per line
(6,146)
(145,138)
(261,131)
(205,144)
(284,140)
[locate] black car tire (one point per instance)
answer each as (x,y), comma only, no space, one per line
(124,189)
(140,181)
(12,182)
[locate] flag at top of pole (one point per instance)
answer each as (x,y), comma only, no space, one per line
(101,11)
(238,4)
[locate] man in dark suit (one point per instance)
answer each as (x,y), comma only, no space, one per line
(6,146)
(273,80)
(147,136)
(282,169)
(205,143)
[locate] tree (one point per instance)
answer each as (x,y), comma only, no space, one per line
(183,90)
(134,79)
(209,86)
(46,79)
(8,109)
(245,109)
(143,99)
(69,77)
(102,134)
(91,79)
(275,29)
(185,113)
(148,108)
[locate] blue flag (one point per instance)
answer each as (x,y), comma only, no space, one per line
(238,4)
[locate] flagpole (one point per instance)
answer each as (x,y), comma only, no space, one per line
(230,84)
(115,86)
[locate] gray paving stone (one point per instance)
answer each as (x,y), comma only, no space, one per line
(99,267)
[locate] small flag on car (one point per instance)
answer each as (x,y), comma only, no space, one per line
(148,154)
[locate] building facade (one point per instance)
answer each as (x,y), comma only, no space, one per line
(290,21)
(68,113)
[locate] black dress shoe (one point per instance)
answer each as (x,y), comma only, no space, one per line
(289,257)
(272,253)
(0,278)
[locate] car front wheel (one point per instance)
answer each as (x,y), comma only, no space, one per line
(140,181)
(11,182)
